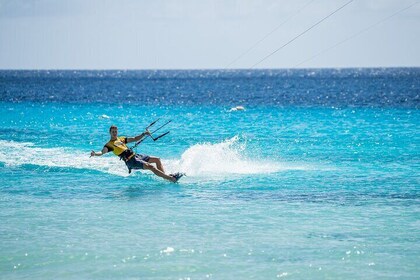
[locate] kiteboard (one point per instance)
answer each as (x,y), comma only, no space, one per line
(177,176)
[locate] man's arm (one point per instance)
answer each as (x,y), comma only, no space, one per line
(138,137)
(104,151)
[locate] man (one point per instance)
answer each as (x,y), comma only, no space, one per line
(118,146)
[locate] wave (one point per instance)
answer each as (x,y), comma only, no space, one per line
(26,153)
(200,160)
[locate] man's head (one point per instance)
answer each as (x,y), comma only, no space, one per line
(113,130)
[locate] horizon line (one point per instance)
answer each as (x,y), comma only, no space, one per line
(203,69)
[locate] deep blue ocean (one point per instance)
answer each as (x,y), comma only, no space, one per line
(317,178)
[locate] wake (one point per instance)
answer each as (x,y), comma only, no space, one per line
(26,153)
(200,160)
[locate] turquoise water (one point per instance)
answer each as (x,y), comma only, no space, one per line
(274,191)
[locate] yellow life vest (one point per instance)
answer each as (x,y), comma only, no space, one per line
(117,146)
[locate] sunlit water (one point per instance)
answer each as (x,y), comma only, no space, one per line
(297,186)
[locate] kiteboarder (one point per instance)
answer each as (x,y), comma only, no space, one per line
(118,145)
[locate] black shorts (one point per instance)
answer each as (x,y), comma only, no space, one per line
(137,161)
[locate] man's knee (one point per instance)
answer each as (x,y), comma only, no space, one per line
(149,166)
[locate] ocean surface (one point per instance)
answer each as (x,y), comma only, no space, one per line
(318,178)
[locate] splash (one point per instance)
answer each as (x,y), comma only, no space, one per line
(225,158)
(201,160)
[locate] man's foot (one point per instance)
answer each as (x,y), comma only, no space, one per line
(177,176)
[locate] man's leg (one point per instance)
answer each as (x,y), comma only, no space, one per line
(158,163)
(157,172)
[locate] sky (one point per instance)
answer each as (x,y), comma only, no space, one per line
(206,34)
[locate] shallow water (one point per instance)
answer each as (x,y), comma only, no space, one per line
(279,190)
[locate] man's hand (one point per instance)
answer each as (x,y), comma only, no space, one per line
(92,154)
(147,132)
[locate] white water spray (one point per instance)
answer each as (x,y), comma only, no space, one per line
(225,158)
(201,160)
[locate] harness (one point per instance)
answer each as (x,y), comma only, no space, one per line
(127,155)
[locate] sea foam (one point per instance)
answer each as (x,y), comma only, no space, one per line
(200,160)
(27,153)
